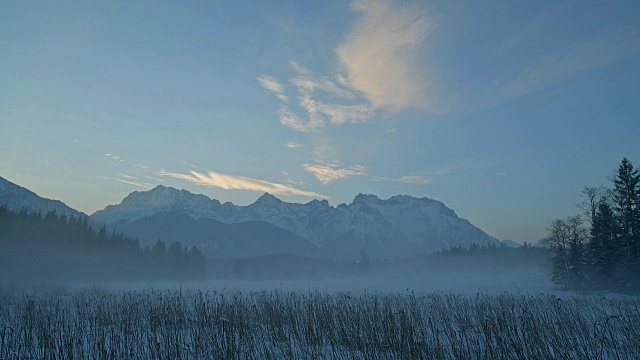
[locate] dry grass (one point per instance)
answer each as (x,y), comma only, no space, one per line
(124,324)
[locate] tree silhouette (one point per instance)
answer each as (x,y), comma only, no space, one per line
(33,246)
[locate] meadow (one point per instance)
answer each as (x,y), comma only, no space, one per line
(100,323)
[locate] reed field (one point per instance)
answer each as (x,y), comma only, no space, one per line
(275,324)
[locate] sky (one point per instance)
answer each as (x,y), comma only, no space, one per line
(503,110)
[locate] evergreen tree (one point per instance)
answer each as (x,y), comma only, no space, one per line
(159,251)
(176,259)
(101,240)
(197,262)
(603,247)
(626,197)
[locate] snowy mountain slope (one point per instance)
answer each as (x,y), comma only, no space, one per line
(401,222)
(18,198)
(139,204)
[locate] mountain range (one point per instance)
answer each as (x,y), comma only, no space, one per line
(399,227)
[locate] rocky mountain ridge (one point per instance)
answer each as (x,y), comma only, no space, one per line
(392,228)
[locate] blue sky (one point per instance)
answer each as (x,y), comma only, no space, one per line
(503,110)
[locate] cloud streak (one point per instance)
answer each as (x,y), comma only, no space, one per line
(128,177)
(234,182)
(407,179)
(553,68)
(139,184)
(272,85)
(328,173)
(293,145)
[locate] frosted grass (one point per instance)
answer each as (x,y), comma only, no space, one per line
(270,324)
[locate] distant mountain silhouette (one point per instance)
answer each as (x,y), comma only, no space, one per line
(217,239)
(18,198)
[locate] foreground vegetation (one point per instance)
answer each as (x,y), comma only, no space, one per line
(127,324)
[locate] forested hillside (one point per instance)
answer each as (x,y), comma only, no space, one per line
(56,246)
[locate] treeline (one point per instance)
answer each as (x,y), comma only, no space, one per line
(56,246)
(485,258)
(600,249)
(502,253)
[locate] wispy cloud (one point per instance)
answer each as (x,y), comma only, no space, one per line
(444,171)
(296,183)
(293,121)
(407,179)
(328,173)
(234,182)
(128,176)
(139,184)
(380,65)
(272,85)
(154,178)
(340,114)
(552,68)
(381,55)
(293,145)
(307,83)
(316,113)
(190,164)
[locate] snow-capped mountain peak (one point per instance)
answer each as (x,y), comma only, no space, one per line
(140,204)
(365,199)
(315,203)
(267,200)
(417,224)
